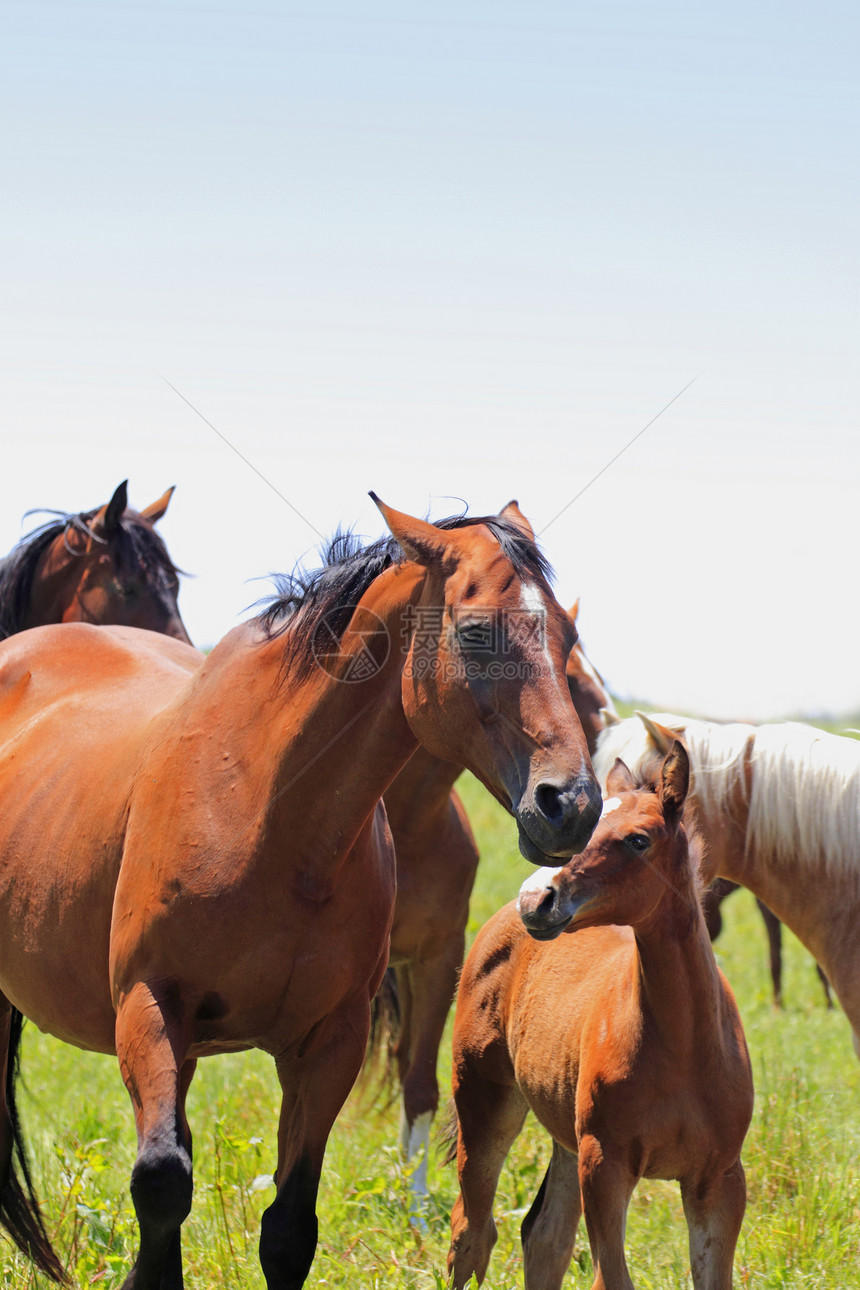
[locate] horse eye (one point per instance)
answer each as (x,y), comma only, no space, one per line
(475,635)
(638,842)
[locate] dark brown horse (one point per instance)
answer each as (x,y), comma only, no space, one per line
(621,1036)
(212,871)
(107,565)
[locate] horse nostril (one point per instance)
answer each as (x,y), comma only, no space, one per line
(548,800)
(545,908)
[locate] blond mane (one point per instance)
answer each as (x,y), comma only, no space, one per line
(804,800)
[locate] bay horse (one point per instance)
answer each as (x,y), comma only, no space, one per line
(437,860)
(623,1038)
(780,807)
(212,871)
(107,565)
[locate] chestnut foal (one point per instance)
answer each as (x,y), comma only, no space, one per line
(624,1040)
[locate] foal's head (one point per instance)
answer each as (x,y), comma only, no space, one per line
(637,857)
(484,677)
(102,566)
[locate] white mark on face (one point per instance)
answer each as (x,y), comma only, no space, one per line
(532,602)
(540,880)
(611,804)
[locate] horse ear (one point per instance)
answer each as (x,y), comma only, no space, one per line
(609,718)
(108,518)
(156,510)
(675,779)
(421,542)
(619,779)
(514,515)
(573,612)
(661,736)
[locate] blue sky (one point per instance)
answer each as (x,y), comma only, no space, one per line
(466,252)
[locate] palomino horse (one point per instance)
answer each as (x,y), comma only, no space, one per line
(712,901)
(780,807)
(437,860)
(623,1040)
(211,870)
(107,565)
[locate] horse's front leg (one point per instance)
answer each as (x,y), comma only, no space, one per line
(606,1186)
(151,1051)
(314,1087)
(714,1214)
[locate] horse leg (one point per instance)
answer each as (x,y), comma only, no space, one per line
(433,984)
(314,1087)
(774,940)
(19,1209)
(822,976)
(489,1118)
(150,1048)
(714,1213)
(607,1186)
(549,1228)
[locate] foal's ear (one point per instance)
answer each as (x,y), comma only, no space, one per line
(421,542)
(514,515)
(620,779)
(675,780)
(156,510)
(661,736)
(108,518)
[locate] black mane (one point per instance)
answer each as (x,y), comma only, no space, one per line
(303,599)
(134,546)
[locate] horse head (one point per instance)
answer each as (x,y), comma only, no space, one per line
(629,865)
(107,565)
(483,682)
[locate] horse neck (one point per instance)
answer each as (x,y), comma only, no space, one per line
(676,976)
(422,788)
(319,751)
(52,588)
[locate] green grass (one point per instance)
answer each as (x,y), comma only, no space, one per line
(802,1228)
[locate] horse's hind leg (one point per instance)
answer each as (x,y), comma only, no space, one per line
(774,941)
(315,1086)
(714,1215)
(150,1047)
(489,1117)
(549,1228)
(433,983)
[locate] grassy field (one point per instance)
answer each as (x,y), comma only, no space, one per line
(802,1227)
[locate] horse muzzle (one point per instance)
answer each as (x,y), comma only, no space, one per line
(544,908)
(555,820)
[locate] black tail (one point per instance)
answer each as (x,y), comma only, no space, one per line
(379,1062)
(19,1209)
(447,1133)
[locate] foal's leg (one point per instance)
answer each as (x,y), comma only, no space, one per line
(314,1088)
(549,1228)
(715,1211)
(489,1118)
(150,1048)
(607,1186)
